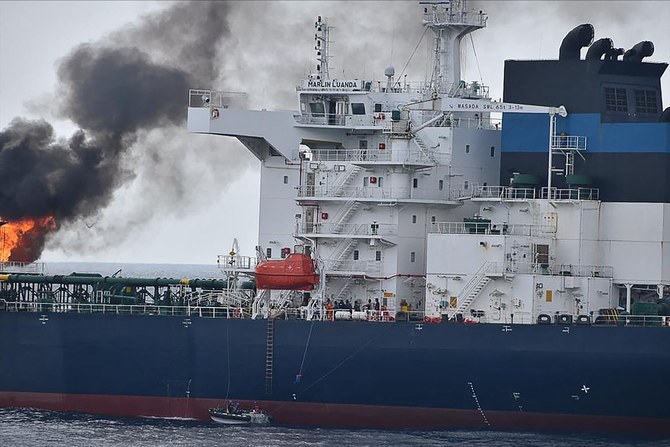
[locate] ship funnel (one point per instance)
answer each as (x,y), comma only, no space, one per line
(599,48)
(639,51)
(580,36)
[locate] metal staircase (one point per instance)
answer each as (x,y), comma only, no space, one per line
(339,189)
(348,210)
(261,304)
(341,255)
(423,147)
(473,288)
(269,355)
(340,295)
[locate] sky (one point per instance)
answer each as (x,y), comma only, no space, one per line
(174,197)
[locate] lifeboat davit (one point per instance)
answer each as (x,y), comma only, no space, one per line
(296,272)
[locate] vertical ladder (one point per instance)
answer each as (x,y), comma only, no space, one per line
(269,354)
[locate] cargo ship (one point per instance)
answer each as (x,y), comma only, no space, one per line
(427,258)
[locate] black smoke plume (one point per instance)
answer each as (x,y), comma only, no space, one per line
(135,81)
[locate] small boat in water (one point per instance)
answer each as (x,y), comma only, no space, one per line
(233,415)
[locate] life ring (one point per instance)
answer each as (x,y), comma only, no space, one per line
(237,313)
(215,113)
(382,116)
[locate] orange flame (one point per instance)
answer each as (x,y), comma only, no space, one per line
(22,240)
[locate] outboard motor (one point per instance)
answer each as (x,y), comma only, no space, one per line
(639,51)
(599,48)
(580,36)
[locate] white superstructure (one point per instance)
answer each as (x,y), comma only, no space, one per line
(393,185)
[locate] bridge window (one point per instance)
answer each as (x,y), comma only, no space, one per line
(415,183)
(378,255)
(356,254)
(316,108)
(357,108)
(378,107)
(615,99)
(645,101)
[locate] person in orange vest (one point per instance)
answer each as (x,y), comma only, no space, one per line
(329,309)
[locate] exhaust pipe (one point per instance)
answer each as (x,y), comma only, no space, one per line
(599,48)
(613,54)
(639,51)
(580,36)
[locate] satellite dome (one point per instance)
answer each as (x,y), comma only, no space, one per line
(390,71)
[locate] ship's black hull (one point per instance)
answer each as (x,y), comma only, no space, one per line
(355,374)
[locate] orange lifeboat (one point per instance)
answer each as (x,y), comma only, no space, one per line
(296,272)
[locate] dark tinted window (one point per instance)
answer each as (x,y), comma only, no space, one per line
(645,101)
(615,99)
(357,108)
(316,108)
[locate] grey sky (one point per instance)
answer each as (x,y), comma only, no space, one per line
(154,218)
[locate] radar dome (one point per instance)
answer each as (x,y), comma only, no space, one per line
(390,71)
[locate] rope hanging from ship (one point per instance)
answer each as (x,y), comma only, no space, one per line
(336,367)
(298,377)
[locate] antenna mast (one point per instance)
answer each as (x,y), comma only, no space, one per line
(450,22)
(322,48)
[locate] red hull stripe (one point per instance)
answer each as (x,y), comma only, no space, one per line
(336,415)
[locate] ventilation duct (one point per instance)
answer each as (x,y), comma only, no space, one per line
(599,48)
(580,36)
(639,51)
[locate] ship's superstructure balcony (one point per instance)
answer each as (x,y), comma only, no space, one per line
(509,193)
(376,194)
(390,123)
(371,157)
(380,121)
(455,15)
(348,267)
(237,263)
(348,230)
(486,227)
(214,99)
(568,194)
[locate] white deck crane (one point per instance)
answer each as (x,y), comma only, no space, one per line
(449,105)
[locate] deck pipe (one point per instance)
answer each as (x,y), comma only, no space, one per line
(109,280)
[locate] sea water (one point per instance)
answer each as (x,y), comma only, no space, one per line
(26,427)
(29,427)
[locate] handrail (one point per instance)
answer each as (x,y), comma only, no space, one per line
(382,315)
